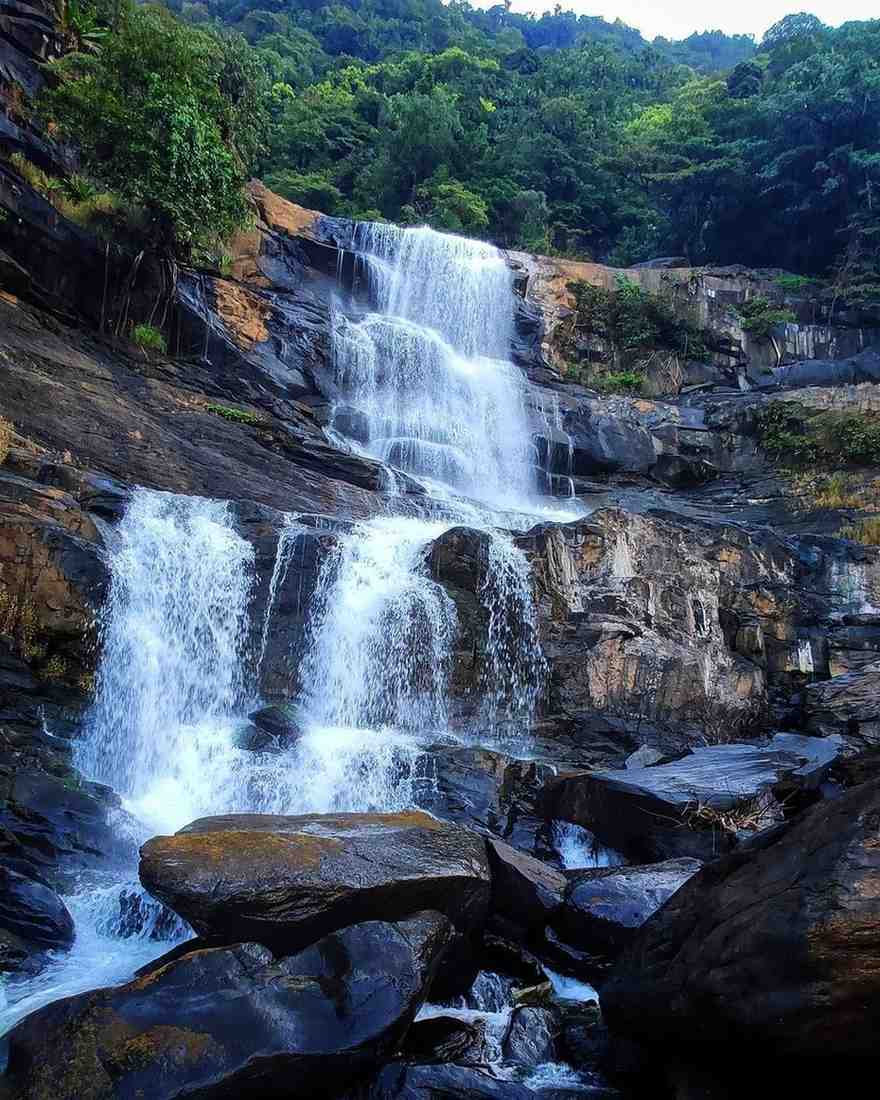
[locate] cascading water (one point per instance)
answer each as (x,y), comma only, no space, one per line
(171,677)
(428,376)
(429,372)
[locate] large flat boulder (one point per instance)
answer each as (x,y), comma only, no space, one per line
(699,805)
(777,944)
(287,881)
(235,1021)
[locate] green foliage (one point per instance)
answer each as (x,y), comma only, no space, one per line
(237,416)
(865,531)
(795,435)
(149,338)
(795,284)
(634,321)
(760,317)
(630,382)
(168,117)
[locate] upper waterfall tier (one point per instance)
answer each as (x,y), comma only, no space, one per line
(429,371)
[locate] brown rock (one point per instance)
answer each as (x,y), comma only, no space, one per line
(286,881)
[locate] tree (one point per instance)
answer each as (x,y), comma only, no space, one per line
(170,118)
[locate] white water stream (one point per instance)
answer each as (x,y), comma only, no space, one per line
(427,373)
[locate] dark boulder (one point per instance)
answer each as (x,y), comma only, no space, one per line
(235,1021)
(32,912)
(531,1036)
(281,721)
(776,945)
(847,705)
(433,1082)
(525,893)
(286,881)
(274,729)
(605,907)
(488,790)
(697,805)
(440,1039)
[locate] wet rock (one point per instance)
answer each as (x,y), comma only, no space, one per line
(525,892)
(643,757)
(848,705)
(61,822)
(603,908)
(32,912)
(286,881)
(236,1021)
(403,1082)
(442,1039)
(275,729)
(146,918)
(487,790)
(694,806)
(531,1036)
(775,945)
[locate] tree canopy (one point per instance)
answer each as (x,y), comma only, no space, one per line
(554,132)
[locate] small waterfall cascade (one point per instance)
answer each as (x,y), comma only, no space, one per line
(429,370)
(377,610)
(171,678)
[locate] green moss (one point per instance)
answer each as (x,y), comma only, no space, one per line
(238,416)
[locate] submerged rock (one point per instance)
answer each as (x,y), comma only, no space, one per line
(777,944)
(695,806)
(287,881)
(234,1021)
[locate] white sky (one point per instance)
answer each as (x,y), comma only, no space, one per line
(678,18)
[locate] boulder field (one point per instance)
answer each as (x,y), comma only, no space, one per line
(320,937)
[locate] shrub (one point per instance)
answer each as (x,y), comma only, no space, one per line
(790,432)
(149,338)
(793,284)
(760,317)
(238,416)
(169,117)
(619,381)
(865,531)
(635,322)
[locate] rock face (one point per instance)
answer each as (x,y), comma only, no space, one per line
(694,806)
(604,908)
(236,1021)
(848,705)
(32,917)
(776,945)
(285,881)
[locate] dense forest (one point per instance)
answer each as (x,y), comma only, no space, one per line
(554,133)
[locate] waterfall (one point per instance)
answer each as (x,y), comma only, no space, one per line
(429,371)
(382,632)
(171,680)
